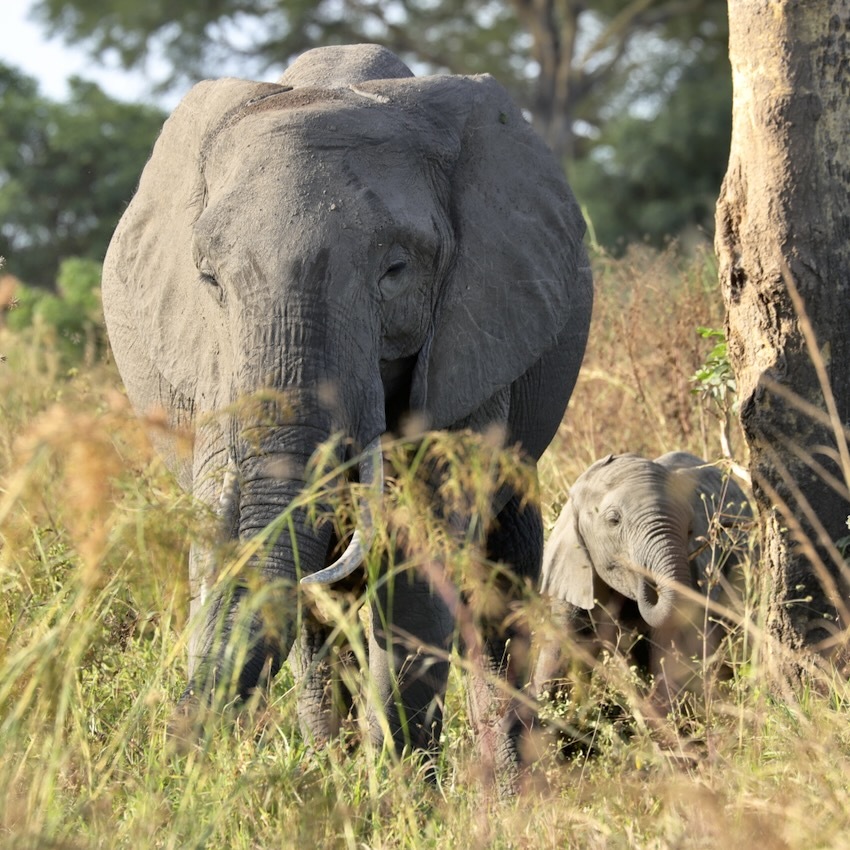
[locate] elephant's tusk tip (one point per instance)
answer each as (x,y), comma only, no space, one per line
(350,560)
(371,473)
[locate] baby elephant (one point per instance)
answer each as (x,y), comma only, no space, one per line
(639,531)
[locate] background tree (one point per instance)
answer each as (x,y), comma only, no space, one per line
(783,238)
(635,95)
(653,169)
(66,172)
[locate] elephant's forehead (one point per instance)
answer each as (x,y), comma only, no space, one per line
(309,165)
(322,127)
(614,469)
(326,170)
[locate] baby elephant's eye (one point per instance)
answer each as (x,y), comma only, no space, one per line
(613,517)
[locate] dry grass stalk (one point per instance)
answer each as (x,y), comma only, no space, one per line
(94,537)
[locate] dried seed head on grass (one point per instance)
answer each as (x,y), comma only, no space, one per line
(635,391)
(83,448)
(440,494)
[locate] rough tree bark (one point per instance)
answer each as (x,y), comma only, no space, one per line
(783,240)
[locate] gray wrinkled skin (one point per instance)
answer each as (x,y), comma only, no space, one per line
(638,529)
(359,244)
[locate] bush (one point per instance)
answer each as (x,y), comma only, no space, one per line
(635,392)
(71,317)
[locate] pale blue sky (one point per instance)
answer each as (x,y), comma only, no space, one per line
(24,44)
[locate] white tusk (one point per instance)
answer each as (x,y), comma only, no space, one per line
(228,503)
(372,475)
(348,562)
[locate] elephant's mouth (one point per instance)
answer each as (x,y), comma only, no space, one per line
(655,595)
(396,377)
(656,601)
(397,380)
(648,591)
(372,475)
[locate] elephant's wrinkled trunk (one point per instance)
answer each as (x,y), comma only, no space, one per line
(667,568)
(245,632)
(656,600)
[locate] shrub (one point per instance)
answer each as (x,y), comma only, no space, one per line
(71,318)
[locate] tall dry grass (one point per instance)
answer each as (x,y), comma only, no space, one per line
(93,542)
(635,391)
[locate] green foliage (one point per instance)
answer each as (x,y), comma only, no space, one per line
(645,85)
(843,543)
(715,379)
(67,170)
(251,36)
(71,315)
(654,169)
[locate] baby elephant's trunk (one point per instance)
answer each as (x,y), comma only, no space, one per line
(667,570)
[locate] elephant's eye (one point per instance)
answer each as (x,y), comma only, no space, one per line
(613,517)
(394,280)
(208,278)
(396,268)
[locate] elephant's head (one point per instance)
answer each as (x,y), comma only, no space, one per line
(626,526)
(346,245)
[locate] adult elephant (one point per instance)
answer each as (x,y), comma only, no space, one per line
(348,245)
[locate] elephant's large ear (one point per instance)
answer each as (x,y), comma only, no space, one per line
(567,568)
(697,485)
(714,498)
(150,282)
(520,270)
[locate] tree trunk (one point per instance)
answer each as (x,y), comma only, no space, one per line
(553,27)
(783,240)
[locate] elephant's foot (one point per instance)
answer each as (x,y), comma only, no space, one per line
(185,728)
(206,702)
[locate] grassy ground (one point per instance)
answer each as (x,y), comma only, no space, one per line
(93,543)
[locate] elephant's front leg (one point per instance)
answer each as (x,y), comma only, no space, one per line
(678,650)
(552,640)
(497,687)
(411,635)
(325,696)
(215,485)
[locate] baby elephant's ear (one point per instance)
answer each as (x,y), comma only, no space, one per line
(567,568)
